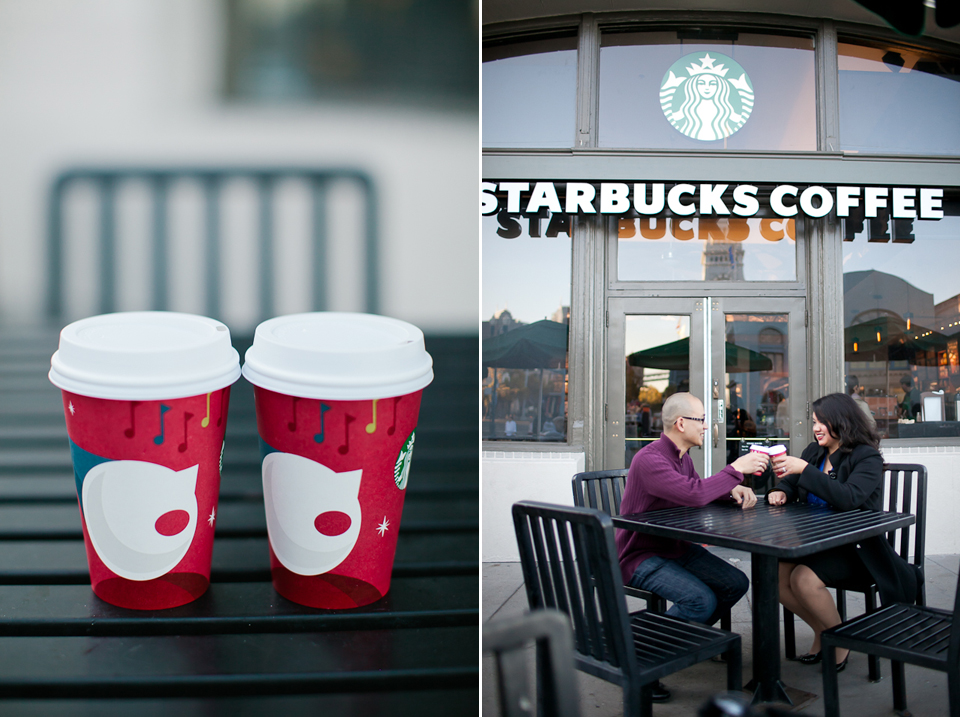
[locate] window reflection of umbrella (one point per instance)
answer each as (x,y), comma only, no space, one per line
(540,345)
(675,356)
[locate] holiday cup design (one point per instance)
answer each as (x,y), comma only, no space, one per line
(147,466)
(141,517)
(332,501)
(313,513)
(338,396)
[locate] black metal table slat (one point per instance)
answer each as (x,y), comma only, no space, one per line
(758,529)
(64,651)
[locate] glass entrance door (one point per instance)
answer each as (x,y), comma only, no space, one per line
(743,357)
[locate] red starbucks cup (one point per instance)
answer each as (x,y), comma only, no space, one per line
(757,448)
(145,396)
(338,395)
(776,451)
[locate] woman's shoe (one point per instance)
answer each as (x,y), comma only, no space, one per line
(841,666)
(811,658)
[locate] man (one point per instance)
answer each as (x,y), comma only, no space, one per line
(700,585)
(853,390)
(910,405)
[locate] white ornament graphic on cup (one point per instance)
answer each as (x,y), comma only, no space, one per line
(313,513)
(141,517)
(706,96)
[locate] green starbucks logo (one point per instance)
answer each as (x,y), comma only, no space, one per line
(706,96)
(401,469)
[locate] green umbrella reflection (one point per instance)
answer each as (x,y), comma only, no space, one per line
(675,356)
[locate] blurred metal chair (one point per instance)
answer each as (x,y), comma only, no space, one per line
(907,488)
(556,681)
(570,563)
(107,183)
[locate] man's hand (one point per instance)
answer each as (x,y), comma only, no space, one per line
(744,496)
(752,462)
(776,497)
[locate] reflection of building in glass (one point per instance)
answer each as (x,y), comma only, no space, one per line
(873,294)
(722,261)
(525,377)
(897,342)
(500,323)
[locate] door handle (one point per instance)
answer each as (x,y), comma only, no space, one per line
(716,424)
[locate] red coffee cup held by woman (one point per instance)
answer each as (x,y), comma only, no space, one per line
(338,396)
(145,397)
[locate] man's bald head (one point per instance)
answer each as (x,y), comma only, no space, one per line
(680,404)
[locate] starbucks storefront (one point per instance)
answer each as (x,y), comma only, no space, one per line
(758,209)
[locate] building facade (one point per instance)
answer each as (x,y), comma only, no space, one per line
(758,208)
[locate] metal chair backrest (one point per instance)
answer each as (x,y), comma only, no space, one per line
(906,492)
(110,186)
(569,563)
(953,651)
(602,490)
(556,680)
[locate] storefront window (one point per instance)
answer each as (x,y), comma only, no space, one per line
(529,94)
(679,90)
(902,318)
(898,102)
(526,297)
(662,248)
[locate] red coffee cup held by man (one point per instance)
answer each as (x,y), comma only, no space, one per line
(338,396)
(759,449)
(145,396)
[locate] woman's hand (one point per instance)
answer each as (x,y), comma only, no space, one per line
(785,465)
(776,497)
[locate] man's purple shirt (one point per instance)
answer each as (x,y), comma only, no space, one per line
(660,478)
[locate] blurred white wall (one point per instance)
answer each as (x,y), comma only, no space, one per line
(120,82)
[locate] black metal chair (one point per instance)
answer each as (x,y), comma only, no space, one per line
(569,563)
(603,490)
(902,633)
(907,493)
(556,685)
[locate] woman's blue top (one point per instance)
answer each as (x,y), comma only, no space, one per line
(816,499)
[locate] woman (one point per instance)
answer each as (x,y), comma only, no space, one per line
(843,469)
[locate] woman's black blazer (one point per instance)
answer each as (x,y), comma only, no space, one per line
(855,480)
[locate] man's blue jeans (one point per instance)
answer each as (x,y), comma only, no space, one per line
(700,585)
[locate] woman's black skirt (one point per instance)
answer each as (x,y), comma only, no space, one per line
(838,567)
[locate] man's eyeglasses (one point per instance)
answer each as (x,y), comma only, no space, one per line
(691,418)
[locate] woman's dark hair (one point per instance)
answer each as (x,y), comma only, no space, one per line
(846,420)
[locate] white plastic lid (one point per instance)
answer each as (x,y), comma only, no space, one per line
(339,356)
(144,356)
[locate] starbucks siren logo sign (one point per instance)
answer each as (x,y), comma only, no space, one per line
(706,96)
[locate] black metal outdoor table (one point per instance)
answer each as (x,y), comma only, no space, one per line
(240,648)
(770,533)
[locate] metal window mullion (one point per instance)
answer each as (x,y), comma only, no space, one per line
(828,89)
(588,76)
